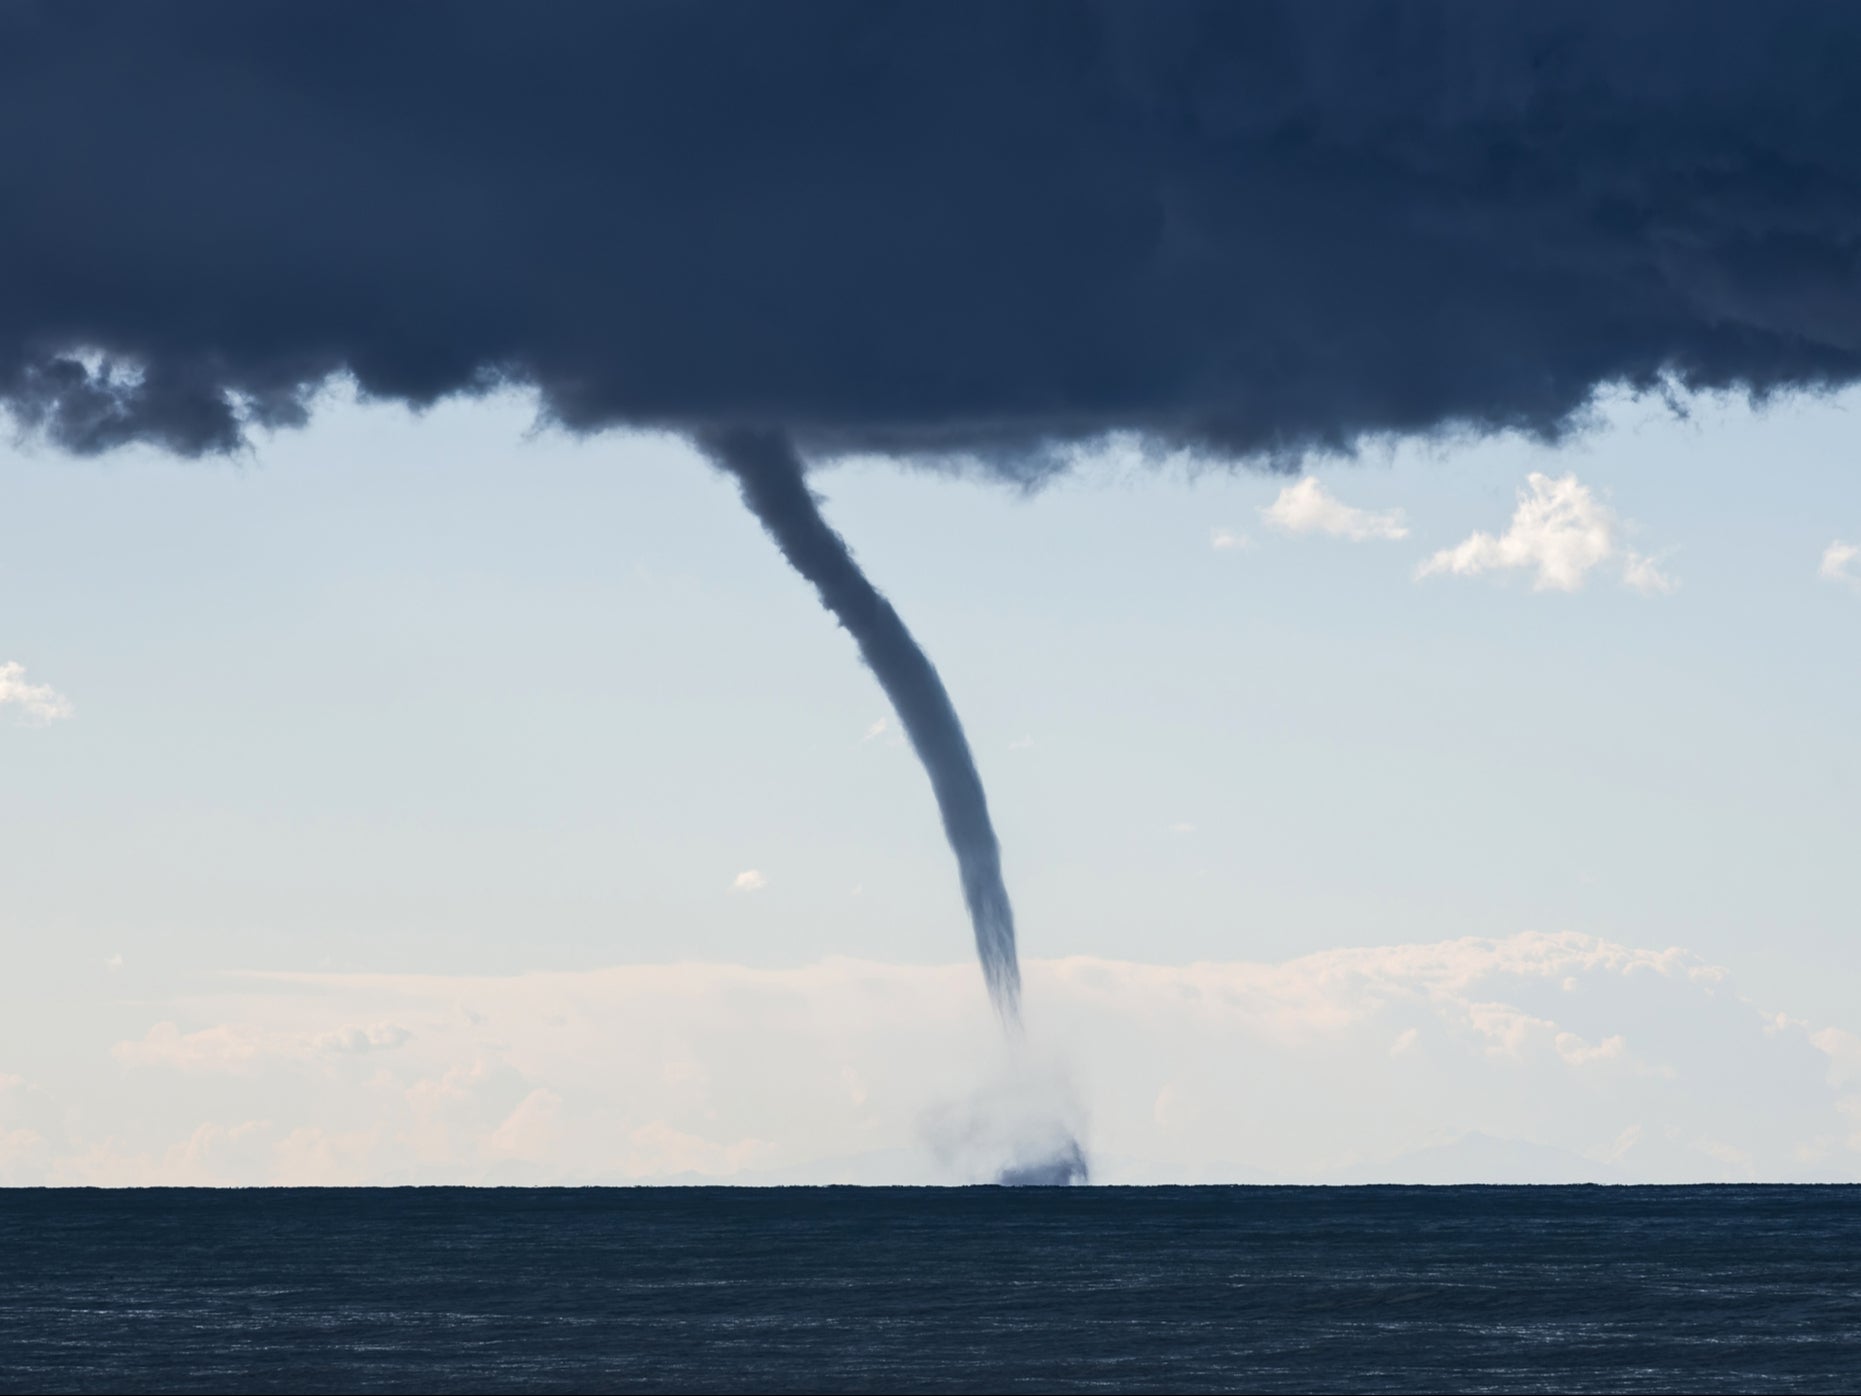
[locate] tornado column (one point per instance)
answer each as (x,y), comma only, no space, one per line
(770,475)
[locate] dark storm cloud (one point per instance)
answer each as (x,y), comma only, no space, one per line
(1254,228)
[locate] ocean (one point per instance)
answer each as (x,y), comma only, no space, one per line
(926,1289)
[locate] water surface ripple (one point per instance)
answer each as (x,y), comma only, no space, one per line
(977,1289)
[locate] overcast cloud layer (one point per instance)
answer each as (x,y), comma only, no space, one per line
(1255,229)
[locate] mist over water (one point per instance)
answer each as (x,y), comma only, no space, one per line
(1021,1128)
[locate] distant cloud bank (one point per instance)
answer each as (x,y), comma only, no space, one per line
(1533,1057)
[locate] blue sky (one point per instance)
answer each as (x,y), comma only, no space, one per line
(448,697)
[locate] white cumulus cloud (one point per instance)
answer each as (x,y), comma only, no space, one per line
(37,703)
(749,880)
(1838,564)
(1561,531)
(1307,507)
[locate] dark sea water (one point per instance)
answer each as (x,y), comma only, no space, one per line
(980,1289)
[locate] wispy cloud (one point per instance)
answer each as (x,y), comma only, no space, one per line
(37,703)
(1839,561)
(1226,539)
(1643,574)
(879,728)
(1307,507)
(749,880)
(1561,532)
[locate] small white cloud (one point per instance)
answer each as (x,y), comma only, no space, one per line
(878,729)
(1838,564)
(1306,507)
(38,703)
(749,880)
(1844,1052)
(1182,828)
(1643,574)
(1563,532)
(1225,539)
(115,962)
